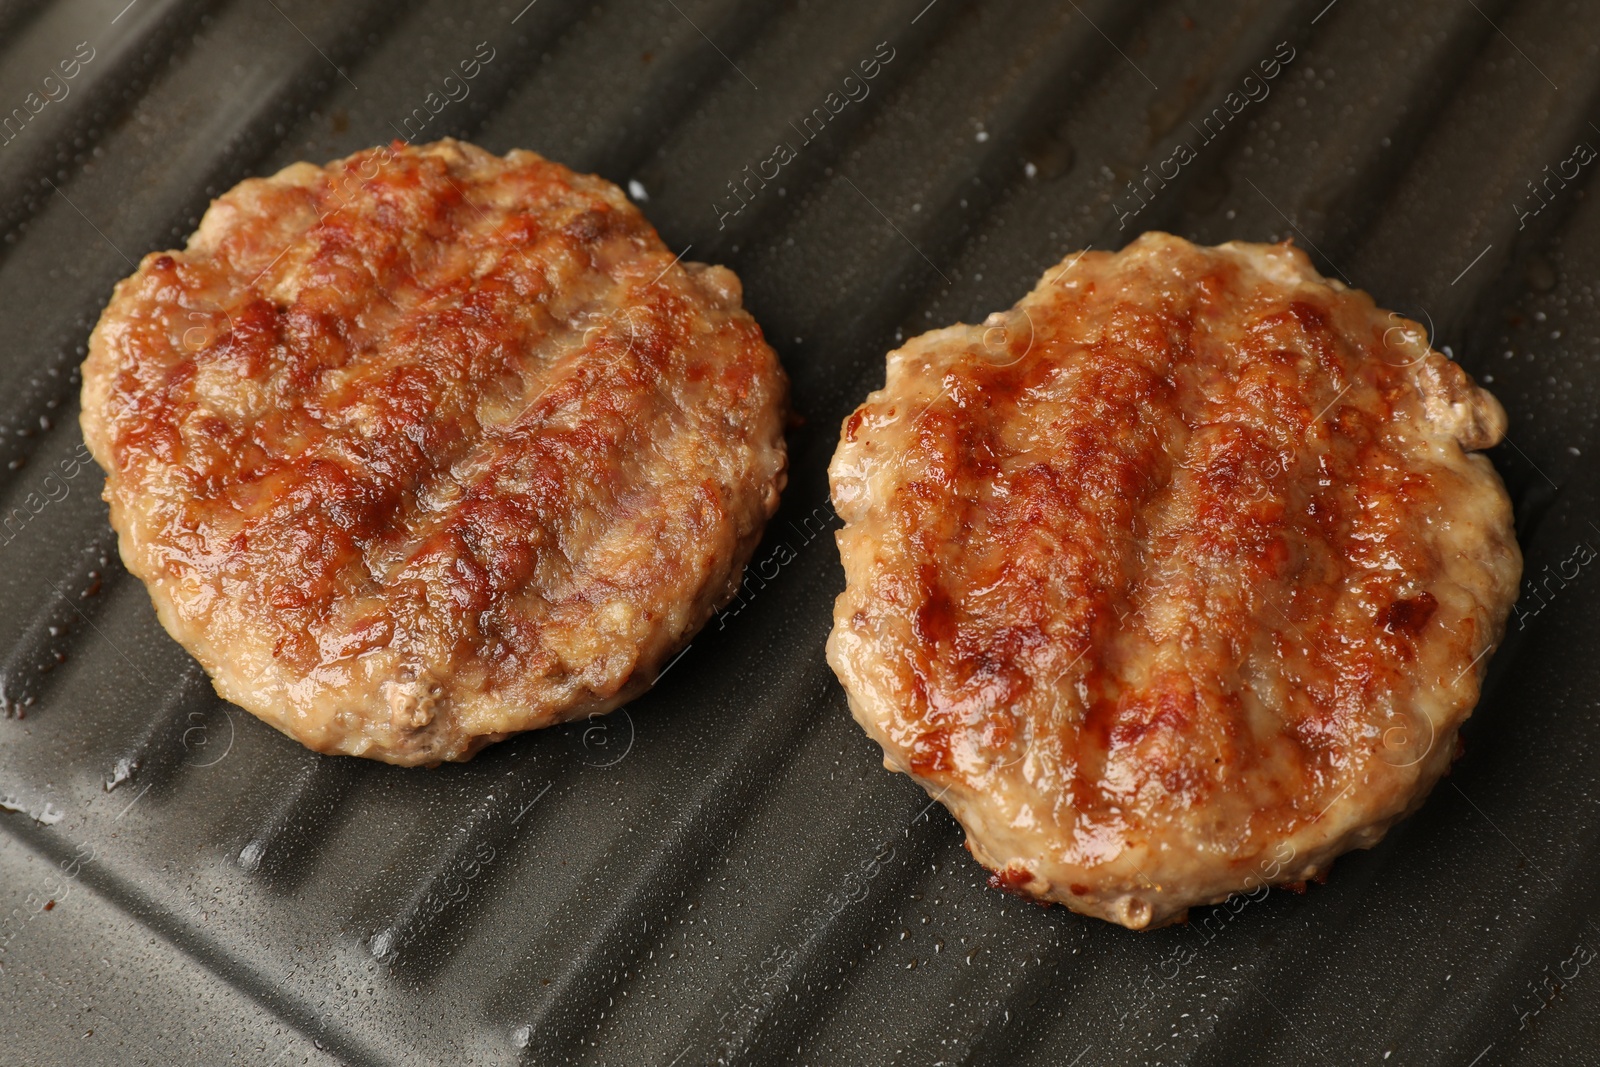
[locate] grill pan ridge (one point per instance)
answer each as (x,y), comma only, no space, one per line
(722,872)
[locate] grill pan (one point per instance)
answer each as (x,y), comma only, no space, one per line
(723,872)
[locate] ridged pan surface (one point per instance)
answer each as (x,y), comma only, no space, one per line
(724,873)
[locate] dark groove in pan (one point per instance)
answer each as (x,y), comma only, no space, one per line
(820,148)
(15,16)
(123,60)
(205,947)
(429,912)
(654,884)
(164,743)
(282,850)
(64,609)
(736,26)
(786,997)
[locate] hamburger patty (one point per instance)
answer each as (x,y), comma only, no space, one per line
(1175,580)
(429,446)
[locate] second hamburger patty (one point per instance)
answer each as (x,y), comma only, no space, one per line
(1175,580)
(428,446)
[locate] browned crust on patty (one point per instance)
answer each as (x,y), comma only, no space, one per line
(428,446)
(1175,580)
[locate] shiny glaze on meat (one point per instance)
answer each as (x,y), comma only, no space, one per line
(428,446)
(1182,566)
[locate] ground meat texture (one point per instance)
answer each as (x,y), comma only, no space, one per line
(429,446)
(1175,580)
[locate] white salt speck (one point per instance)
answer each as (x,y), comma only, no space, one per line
(983,135)
(636,190)
(1030,170)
